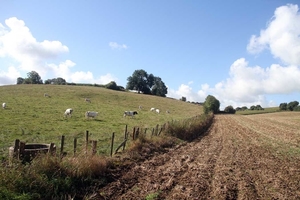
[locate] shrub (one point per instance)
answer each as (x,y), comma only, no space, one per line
(190,129)
(229,109)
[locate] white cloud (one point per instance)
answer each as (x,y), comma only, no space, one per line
(281,35)
(249,85)
(115,45)
(9,77)
(19,46)
(187,91)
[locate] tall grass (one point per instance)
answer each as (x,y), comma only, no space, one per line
(190,129)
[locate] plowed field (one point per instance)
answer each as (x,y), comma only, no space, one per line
(240,157)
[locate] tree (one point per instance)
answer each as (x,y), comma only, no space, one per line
(138,81)
(283,106)
(112,85)
(211,104)
(292,105)
(56,81)
(229,109)
(159,88)
(34,78)
(183,99)
(147,84)
(20,80)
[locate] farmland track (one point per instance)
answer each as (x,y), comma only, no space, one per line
(237,158)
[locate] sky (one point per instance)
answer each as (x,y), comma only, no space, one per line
(242,52)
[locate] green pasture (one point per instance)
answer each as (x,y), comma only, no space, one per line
(252,112)
(33,118)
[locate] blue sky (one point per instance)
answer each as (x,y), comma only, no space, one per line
(242,52)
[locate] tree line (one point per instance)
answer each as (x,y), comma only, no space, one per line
(140,81)
(291,106)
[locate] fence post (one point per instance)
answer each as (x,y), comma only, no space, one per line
(133,134)
(22,149)
(137,133)
(17,149)
(86,141)
(112,143)
(94,147)
(51,149)
(125,136)
(160,131)
(62,145)
(75,145)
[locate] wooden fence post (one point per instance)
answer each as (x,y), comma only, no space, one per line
(125,137)
(160,131)
(17,149)
(75,145)
(112,143)
(62,146)
(133,134)
(22,150)
(86,141)
(51,149)
(156,129)
(94,147)
(137,133)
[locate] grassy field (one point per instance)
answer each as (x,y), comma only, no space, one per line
(33,118)
(252,112)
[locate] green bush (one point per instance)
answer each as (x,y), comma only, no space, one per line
(190,129)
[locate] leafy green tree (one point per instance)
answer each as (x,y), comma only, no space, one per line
(56,81)
(211,104)
(183,99)
(146,83)
(283,106)
(244,108)
(253,107)
(20,80)
(159,88)
(292,105)
(258,107)
(139,81)
(112,85)
(229,109)
(34,78)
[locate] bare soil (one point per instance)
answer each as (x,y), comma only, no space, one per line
(240,157)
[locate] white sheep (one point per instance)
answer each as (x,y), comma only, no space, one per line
(4,105)
(157,111)
(152,109)
(69,112)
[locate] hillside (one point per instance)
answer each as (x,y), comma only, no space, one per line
(31,117)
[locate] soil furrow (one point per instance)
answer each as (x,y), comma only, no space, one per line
(232,161)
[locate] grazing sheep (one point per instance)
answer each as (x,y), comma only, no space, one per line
(87,100)
(4,105)
(130,113)
(157,111)
(140,107)
(92,114)
(167,111)
(46,95)
(152,109)
(69,112)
